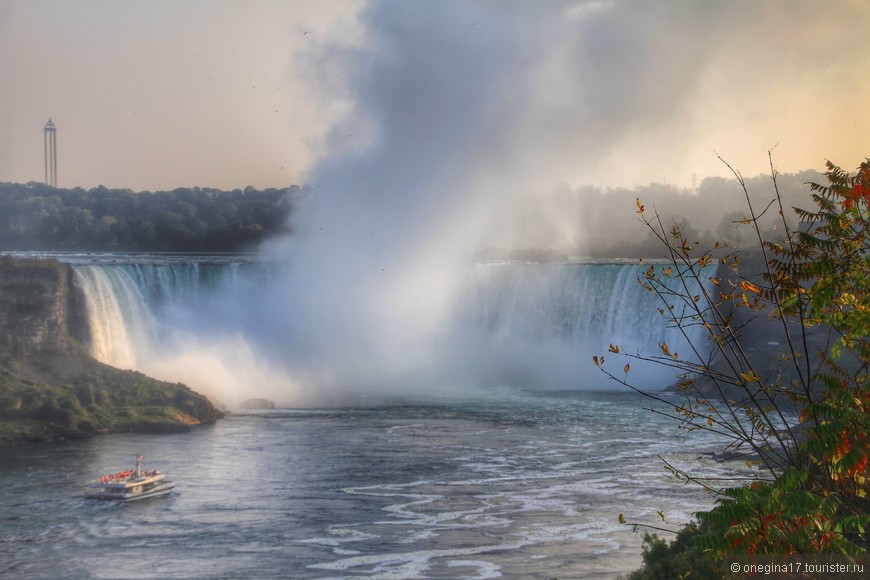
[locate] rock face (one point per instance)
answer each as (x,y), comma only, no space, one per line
(51,388)
(40,311)
(257,405)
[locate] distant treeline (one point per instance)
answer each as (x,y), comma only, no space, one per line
(602,223)
(564,222)
(34,216)
(710,213)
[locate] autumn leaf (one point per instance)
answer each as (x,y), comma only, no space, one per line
(640,206)
(750,377)
(686,248)
(746,285)
(614,348)
(627,367)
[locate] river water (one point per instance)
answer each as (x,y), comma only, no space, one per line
(510,483)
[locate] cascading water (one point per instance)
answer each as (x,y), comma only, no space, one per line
(529,325)
(565,303)
(173,318)
(121,324)
(541,324)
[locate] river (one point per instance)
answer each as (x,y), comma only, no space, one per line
(513,484)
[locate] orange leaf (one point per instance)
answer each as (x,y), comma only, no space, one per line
(746,285)
(750,377)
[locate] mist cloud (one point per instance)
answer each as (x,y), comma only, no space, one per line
(456,109)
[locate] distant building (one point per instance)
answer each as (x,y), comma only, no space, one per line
(50,141)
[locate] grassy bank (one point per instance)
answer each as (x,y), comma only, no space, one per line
(71,395)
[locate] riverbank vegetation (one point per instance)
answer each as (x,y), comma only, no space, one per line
(70,395)
(34,216)
(798,417)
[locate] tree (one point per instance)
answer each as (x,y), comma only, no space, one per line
(36,217)
(798,414)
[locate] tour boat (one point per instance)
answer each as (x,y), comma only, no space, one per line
(131,484)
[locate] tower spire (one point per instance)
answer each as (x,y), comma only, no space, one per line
(50,144)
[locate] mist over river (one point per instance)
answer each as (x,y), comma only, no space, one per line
(512,484)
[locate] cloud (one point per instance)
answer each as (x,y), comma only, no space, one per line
(453,109)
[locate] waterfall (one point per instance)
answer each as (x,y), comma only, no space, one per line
(133,309)
(121,324)
(543,323)
(570,304)
(530,325)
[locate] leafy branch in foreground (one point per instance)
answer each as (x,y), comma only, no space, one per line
(782,371)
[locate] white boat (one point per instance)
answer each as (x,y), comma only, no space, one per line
(131,484)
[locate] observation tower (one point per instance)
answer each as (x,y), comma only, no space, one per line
(50,141)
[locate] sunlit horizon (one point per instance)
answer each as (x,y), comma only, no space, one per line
(160,95)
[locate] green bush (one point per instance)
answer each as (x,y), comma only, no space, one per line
(680,558)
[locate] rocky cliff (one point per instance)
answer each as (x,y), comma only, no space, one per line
(50,387)
(39,309)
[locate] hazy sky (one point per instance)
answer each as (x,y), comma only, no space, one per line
(162,94)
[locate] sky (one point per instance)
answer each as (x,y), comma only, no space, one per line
(154,95)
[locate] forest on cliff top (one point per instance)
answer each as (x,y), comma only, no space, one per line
(35,216)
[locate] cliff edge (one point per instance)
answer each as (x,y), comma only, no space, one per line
(51,388)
